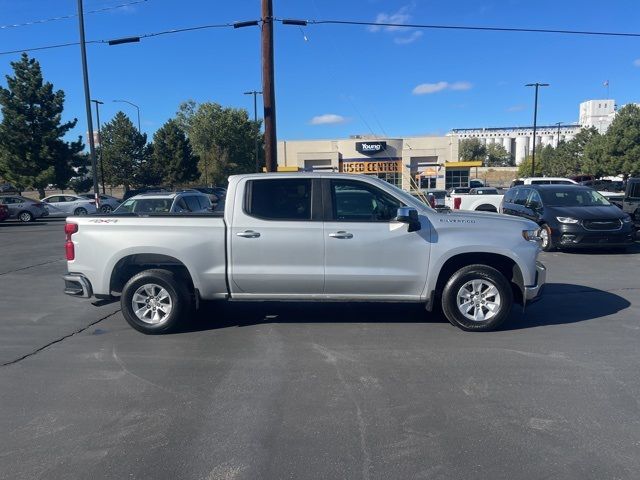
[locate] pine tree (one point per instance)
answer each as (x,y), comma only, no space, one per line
(32,150)
(172,154)
(124,149)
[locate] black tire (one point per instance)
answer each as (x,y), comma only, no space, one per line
(80,211)
(26,216)
(106,209)
(547,245)
(180,301)
(487,276)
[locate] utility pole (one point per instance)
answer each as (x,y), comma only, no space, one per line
(558,140)
(268,88)
(87,101)
(255,119)
(535,119)
(98,103)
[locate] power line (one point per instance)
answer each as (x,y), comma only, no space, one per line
(458,27)
(71,15)
(48,47)
(337,22)
(115,41)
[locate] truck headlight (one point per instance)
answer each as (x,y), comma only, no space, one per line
(626,219)
(567,220)
(532,235)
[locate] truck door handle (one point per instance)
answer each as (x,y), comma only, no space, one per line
(248,234)
(341,234)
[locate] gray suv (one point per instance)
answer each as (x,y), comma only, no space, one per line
(24,209)
(188,201)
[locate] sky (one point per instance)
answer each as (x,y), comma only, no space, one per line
(333,81)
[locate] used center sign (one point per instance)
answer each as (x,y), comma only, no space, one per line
(371,167)
(371,147)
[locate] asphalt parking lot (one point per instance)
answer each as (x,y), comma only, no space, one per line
(306,391)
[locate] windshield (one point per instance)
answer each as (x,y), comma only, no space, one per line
(573,198)
(406,197)
(145,205)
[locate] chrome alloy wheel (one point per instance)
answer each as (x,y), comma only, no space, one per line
(479,300)
(544,236)
(151,303)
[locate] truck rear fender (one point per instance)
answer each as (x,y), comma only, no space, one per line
(128,266)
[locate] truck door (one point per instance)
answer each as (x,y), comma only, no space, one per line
(276,238)
(368,254)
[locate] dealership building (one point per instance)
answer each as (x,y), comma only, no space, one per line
(432,161)
(428,162)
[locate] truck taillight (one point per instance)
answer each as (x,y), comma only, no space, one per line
(456,203)
(69,248)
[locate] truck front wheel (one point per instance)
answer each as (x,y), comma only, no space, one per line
(155,301)
(477,298)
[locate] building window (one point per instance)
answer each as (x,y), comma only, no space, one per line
(456,177)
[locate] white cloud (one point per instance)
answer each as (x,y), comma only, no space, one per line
(636,62)
(428,88)
(401,16)
(516,108)
(410,39)
(328,119)
(460,86)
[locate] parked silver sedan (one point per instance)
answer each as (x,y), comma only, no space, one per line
(107,203)
(65,205)
(22,208)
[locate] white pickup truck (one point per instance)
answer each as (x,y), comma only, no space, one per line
(312,237)
(478,199)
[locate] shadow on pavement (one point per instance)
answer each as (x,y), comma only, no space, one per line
(214,315)
(565,303)
(562,304)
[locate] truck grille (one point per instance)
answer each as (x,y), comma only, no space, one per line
(601,225)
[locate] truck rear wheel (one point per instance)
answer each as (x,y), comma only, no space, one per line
(155,301)
(477,298)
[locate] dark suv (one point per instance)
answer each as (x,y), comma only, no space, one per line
(570,216)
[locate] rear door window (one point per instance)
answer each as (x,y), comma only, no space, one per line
(204,202)
(192,203)
(521,196)
(286,199)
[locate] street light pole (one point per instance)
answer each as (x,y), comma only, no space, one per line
(98,103)
(535,119)
(87,101)
(255,120)
(268,88)
(558,140)
(137,108)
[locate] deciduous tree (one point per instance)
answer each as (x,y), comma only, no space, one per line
(223,138)
(471,149)
(497,156)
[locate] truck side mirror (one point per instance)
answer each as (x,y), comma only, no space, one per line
(410,216)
